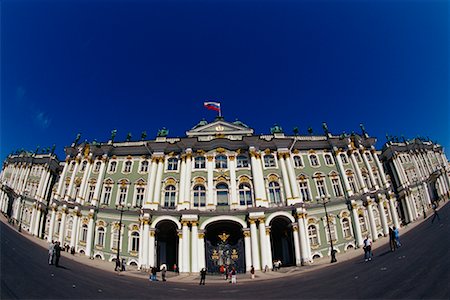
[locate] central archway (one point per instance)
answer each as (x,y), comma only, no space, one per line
(166,244)
(224,246)
(282,241)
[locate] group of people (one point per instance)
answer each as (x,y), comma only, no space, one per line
(54,253)
(120,265)
(228,273)
(155,270)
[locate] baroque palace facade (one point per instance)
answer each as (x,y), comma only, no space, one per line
(223,195)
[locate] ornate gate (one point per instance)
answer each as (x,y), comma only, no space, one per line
(225,254)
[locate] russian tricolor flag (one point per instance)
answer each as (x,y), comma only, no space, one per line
(212,106)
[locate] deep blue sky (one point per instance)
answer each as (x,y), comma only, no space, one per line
(92,66)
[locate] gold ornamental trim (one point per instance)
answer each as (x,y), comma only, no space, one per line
(246,233)
(201,235)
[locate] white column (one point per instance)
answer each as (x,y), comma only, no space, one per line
(382,214)
(233,185)
(151,249)
(412,202)
(263,243)
(25,178)
(80,196)
(18,173)
(62,229)
(302,238)
(99,183)
(185,246)
(62,178)
(400,171)
(255,247)
(362,183)
(46,185)
(426,192)
(342,170)
(145,243)
(393,210)
(210,179)
(258,179)
(287,186)
(380,170)
(157,192)
(194,247)
(292,179)
(151,181)
(248,250)
(182,183)
(308,243)
(69,193)
(369,169)
(180,251)
(373,226)
(90,233)
(201,251)
(269,247)
(188,175)
(86,185)
(356,225)
(41,185)
(298,258)
(37,221)
(52,224)
(406,209)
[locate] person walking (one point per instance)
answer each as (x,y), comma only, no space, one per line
(397,237)
(392,242)
(233,275)
(175,269)
(57,254)
(51,253)
(163,273)
(154,274)
(252,271)
(435,213)
(117,268)
(367,249)
(202,276)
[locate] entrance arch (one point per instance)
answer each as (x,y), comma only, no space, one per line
(166,240)
(224,246)
(282,241)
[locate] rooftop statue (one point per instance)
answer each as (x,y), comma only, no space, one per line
(77,139)
(276,129)
(128,137)
(239,123)
(113,134)
(163,132)
(202,122)
(325,128)
(295,130)
(143,135)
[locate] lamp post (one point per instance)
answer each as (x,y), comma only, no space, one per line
(121,208)
(324,200)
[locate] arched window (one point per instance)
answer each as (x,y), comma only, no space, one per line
(222,194)
(69,229)
(169,196)
(245,194)
(172,164)
(199,162)
(72,167)
(135,241)
(112,166)
(367,181)
(127,167)
(199,196)
(344,158)
(362,223)
(84,231)
(298,161)
(388,215)
(83,166)
(58,224)
(314,161)
(274,192)
(358,158)
(100,240)
(144,166)
(221,162)
(352,183)
(346,227)
(328,159)
(376,218)
(269,161)
(97,167)
(242,161)
(368,156)
(312,233)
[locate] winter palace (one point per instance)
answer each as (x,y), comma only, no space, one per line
(223,195)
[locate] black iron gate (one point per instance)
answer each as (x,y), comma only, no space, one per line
(225,254)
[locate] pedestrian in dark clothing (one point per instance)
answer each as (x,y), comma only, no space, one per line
(435,213)
(397,237)
(122,264)
(175,269)
(154,274)
(163,273)
(252,271)
(202,276)
(392,242)
(57,250)
(117,268)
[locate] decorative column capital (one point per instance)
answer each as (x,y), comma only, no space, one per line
(246,233)
(251,221)
(231,157)
(194,223)
(210,157)
(152,233)
(185,223)
(201,235)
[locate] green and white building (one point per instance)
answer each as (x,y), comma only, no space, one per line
(223,195)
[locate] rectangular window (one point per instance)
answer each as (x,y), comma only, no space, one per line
(269,161)
(242,162)
(336,187)
(139,196)
(199,163)
(122,195)
(321,187)
(304,191)
(115,239)
(107,195)
(91,193)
